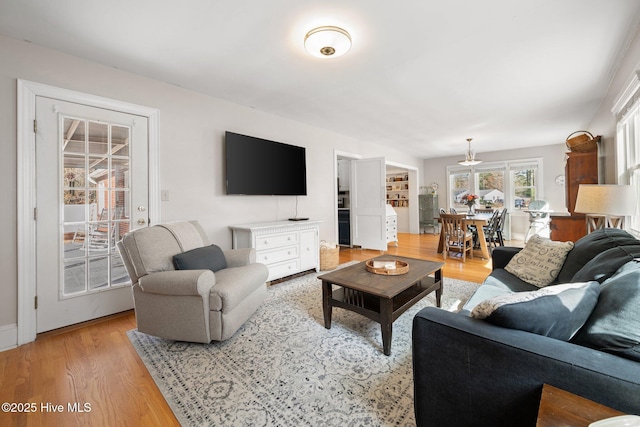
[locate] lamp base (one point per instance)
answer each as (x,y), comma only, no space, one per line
(597,222)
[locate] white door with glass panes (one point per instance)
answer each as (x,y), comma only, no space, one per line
(91,188)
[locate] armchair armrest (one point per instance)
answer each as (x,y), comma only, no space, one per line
(179,282)
(240,257)
(501,256)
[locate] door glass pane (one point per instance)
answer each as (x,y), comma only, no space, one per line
(98,138)
(95,192)
(119,274)
(74,276)
(120,141)
(73,140)
(98,273)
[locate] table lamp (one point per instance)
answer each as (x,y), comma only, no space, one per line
(605,206)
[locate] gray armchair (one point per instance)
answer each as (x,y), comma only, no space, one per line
(189,305)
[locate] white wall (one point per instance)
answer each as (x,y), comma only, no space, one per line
(192,128)
(604,122)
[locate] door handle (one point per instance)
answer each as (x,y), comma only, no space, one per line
(142,221)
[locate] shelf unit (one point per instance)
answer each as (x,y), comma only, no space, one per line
(429,211)
(397,186)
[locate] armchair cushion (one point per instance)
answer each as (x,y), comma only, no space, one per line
(554,311)
(240,257)
(204,258)
(235,284)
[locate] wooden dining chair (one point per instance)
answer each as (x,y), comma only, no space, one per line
(457,237)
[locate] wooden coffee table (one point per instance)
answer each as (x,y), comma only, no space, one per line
(378,297)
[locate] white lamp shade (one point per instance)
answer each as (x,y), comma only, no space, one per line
(327,42)
(614,200)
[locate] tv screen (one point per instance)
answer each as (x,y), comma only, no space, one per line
(256,166)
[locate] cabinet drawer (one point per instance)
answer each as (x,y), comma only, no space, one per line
(276,255)
(276,241)
(392,220)
(282,269)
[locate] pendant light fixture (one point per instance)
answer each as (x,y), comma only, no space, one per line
(327,42)
(470,156)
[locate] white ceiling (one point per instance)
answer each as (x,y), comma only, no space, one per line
(422,75)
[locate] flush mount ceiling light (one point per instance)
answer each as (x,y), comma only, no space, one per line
(327,42)
(470,156)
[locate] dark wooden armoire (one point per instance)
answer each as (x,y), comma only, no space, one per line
(580,168)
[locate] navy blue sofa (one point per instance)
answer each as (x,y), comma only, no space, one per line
(470,372)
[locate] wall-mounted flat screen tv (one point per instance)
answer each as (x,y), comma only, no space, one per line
(256,166)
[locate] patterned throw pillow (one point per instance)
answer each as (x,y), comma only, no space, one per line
(540,261)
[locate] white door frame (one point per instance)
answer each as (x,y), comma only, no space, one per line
(350,156)
(27,93)
(414,210)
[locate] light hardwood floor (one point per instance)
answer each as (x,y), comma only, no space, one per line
(95,362)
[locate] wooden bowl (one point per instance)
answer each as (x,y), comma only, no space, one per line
(401,268)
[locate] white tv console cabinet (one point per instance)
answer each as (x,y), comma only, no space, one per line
(285,247)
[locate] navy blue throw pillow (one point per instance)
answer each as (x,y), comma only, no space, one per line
(614,325)
(204,258)
(556,311)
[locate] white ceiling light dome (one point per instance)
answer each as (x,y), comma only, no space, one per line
(327,42)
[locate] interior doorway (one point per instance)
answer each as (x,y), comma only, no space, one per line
(344,196)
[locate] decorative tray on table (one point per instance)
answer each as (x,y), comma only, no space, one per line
(392,267)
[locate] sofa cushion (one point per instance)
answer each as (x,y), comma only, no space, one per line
(555,311)
(591,245)
(614,325)
(605,264)
(540,261)
(204,258)
(501,278)
(499,282)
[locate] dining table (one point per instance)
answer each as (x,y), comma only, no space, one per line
(479,220)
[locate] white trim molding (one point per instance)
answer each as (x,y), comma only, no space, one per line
(8,336)
(27,93)
(628,97)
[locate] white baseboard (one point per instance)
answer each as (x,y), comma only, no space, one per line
(8,336)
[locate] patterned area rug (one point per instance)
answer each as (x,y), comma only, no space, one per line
(283,368)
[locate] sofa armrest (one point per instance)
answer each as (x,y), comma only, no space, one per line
(179,282)
(240,257)
(470,372)
(501,256)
